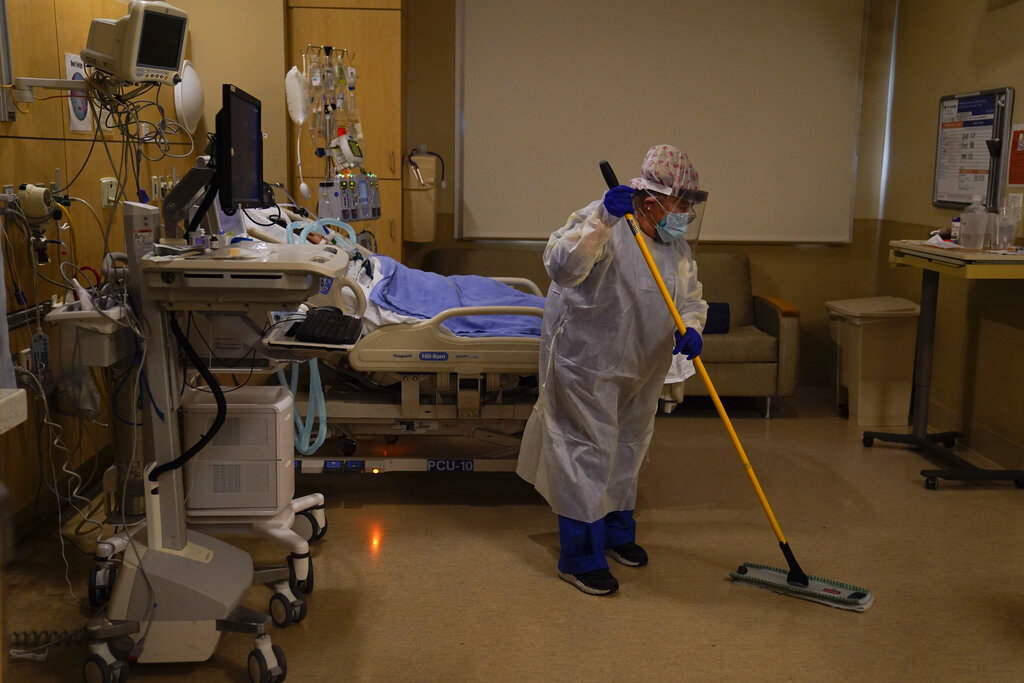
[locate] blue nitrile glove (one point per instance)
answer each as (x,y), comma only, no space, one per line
(618,201)
(689,343)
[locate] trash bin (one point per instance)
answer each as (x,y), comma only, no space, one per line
(419,198)
(875,361)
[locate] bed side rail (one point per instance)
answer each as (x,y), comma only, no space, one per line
(525,283)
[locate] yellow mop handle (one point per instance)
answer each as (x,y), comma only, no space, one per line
(635,229)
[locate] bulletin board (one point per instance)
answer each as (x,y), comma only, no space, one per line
(973,141)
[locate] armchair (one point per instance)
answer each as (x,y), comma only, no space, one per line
(751,346)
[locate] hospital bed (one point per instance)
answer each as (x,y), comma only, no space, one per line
(413,376)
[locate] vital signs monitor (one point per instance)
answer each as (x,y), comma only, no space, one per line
(144,46)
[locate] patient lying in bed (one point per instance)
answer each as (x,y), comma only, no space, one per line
(398,294)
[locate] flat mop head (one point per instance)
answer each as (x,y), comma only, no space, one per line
(831,593)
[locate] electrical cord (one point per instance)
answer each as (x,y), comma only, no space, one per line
(56,433)
(91,210)
(19,295)
(301,210)
(218,395)
(265,225)
(88,155)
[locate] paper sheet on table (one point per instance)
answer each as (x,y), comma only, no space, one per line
(936,241)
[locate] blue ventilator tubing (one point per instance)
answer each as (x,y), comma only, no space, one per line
(315,402)
(794,582)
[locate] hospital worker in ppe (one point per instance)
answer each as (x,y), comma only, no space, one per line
(606,346)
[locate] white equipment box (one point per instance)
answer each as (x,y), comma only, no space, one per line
(248,467)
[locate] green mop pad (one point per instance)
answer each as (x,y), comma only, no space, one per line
(831,593)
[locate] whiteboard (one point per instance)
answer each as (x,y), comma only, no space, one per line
(764,96)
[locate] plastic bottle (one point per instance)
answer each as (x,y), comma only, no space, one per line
(315,73)
(974,224)
(954,233)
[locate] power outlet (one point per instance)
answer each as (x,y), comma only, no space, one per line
(108,192)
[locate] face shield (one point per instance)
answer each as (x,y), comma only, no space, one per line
(676,217)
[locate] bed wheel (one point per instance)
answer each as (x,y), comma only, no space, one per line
(348,446)
(390,439)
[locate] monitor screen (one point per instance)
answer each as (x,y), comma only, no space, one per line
(239,150)
(161,40)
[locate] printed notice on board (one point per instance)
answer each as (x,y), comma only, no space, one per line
(962,163)
(1015,174)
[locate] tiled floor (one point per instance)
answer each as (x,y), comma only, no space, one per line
(451,577)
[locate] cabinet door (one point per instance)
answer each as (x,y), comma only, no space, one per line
(373,39)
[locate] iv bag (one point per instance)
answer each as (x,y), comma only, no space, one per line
(297,95)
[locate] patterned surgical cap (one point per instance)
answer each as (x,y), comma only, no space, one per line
(667,170)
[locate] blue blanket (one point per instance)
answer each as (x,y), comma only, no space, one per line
(424,295)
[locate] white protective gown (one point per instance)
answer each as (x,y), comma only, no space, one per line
(606,346)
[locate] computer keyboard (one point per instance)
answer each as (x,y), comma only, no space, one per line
(327,325)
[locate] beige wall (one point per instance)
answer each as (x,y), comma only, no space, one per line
(984,50)
(430,84)
(943,47)
(978,384)
(243,42)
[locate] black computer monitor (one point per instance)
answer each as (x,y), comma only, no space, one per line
(239,151)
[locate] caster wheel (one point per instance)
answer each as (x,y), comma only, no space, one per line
(931,483)
(348,446)
(259,672)
(390,439)
(305,585)
(306,526)
(280,609)
(1019,483)
(282,663)
(868,441)
(950,442)
(298,611)
(96,670)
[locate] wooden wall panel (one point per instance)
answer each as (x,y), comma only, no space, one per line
(347,4)
(33,55)
(31,148)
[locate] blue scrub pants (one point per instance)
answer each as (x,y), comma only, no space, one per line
(583,544)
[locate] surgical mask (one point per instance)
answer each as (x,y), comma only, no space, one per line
(673,226)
